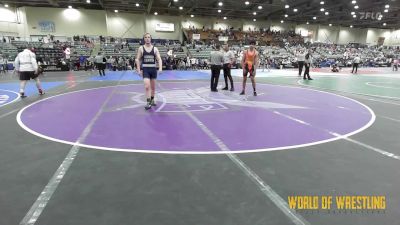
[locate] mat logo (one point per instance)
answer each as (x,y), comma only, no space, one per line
(188,100)
(4,99)
(200,99)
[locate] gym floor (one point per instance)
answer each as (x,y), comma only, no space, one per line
(88,153)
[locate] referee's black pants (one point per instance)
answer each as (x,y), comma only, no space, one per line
(227,74)
(300,64)
(215,71)
(355,66)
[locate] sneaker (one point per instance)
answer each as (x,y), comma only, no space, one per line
(153,103)
(255,93)
(225,88)
(22,94)
(242,93)
(232,89)
(310,79)
(41,92)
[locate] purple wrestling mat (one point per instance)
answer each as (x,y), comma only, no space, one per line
(189,119)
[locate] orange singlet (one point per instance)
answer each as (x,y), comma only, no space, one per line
(250,57)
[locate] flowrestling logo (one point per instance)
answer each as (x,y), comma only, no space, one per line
(370,15)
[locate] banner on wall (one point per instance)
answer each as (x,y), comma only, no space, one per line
(381,40)
(47,26)
(304,33)
(196,36)
(223,38)
(165,27)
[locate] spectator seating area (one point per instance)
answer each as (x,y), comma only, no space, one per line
(8,51)
(279,48)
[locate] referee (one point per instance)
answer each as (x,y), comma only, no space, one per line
(216,61)
(229,58)
(26,66)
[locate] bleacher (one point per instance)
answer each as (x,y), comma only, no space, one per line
(201,52)
(78,49)
(114,51)
(8,51)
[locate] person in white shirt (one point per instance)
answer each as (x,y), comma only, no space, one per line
(300,60)
(395,65)
(356,61)
(26,66)
(229,59)
(100,61)
(307,64)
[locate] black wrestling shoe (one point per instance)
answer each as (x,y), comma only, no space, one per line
(148,106)
(241,93)
(23,95)
(225,88)
(255,93)
(232,89)
(153,103)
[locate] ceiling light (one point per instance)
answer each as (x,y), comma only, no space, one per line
(351,26)
(326,13)
(254,13)
(69,7)
(192,15)
(384,24)
(330,24)
(386,10)
(322,9)
(116,10)
(88,1)
(294,10)
(225,18)
(246,2)
(219,11)
(137,4)
(322,2)
(259,7)
(220,3)
(156,13)
(180,7)
(308,22)
(356,7)
(7,5)
(282,21)
(287,6)
(354,16)
(175,0)
(352,13)
(353,2)
(254,20)
(387,6)
(286,15)
(314,18)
